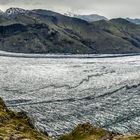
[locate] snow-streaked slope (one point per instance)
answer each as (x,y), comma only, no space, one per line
(89,18)
(1,12)
(14,11)
(136,20)
(60,93)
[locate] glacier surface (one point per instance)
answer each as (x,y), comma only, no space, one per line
(61,93)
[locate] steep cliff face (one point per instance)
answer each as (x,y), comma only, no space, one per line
(17,126)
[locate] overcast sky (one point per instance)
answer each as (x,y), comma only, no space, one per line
(108,8)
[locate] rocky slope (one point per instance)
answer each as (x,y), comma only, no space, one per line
(42,31)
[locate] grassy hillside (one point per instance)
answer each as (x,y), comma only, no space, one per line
(88,132)
(17,126)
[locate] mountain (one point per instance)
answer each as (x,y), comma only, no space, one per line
(14,11)
(69,14)
(1,12)
(89,18)
(136,20)
(43,31)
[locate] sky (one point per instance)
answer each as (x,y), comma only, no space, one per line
(108,8)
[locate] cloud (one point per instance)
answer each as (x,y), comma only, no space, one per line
(3,2)
(109,8)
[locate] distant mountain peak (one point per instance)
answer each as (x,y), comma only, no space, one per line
(1,12)
(89,18)
(69,14)
(121,21)
(14,11)
(135,20)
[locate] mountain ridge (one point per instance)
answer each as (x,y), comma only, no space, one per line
(136,20)
(89,18)
(86,17)
(44,31)
(12,12)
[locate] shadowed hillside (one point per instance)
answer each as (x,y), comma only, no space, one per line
(42,31)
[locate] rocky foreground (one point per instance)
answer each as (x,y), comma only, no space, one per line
(88,132)
(18,126)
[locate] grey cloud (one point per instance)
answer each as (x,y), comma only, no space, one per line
(3,2)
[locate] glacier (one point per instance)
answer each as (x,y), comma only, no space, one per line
(61,93)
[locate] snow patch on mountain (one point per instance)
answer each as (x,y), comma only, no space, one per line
(135,21)
(1,12)
(14,11)
(89,18)
(69,14)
